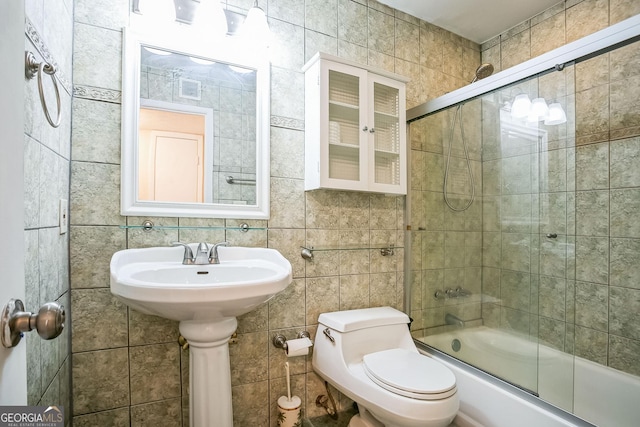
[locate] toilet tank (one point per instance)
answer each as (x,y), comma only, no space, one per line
(364,331)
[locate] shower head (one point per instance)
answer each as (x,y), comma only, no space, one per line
(484,70)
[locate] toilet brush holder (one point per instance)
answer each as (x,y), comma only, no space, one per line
(290,414)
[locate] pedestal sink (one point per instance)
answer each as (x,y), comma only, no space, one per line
(205,299)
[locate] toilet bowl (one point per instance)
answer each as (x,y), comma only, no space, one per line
(369,356)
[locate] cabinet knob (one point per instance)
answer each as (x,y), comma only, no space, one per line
(372,130)
(364,129)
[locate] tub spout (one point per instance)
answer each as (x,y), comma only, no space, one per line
(451,319)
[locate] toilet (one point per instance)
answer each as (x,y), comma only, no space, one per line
(369,356)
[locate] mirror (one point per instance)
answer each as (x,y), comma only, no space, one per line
(195,122)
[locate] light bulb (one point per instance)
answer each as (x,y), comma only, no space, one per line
(255,27)
(520,107)
(157,51)
(201,61)
(556,116)
(210,18)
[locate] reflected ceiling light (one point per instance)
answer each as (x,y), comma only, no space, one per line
(157,51)
(241,70)
(159,10)
(256,27)
(520,106)
(556,115)
(201,61)
(210,18)
(539,109)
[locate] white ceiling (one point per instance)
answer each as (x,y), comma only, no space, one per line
(476,20)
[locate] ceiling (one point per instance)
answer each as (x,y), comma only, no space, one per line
(476,20)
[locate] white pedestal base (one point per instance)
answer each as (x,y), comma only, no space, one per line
(209,371)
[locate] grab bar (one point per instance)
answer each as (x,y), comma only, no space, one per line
(33,68)
(231,180)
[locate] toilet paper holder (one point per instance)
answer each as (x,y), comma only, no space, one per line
(280,341)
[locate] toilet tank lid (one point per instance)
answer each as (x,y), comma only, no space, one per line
(352,320)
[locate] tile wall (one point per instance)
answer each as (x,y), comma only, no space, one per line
(143,375)
(48,35)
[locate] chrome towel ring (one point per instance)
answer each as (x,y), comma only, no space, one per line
(33,67)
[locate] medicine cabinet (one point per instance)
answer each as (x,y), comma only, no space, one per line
(355,130)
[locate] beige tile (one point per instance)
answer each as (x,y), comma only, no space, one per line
(147,329)
(251,404)
(95,189)
(322,296)
(516,49)
(322,16)
(165,413)
(350,17)
(354,291)
(155,372)
(112,418)
(624,306)
(101,389)
(287,308)
(586,18)
(91,249)
(249,358)
(96,146)
(619,10)
(548,35)
(625,118)
(381,32)
(97,67)
(99,320)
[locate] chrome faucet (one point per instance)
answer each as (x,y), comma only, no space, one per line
(213,255)
(203,254)
(451,319)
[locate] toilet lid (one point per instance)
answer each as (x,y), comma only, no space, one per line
(410,374)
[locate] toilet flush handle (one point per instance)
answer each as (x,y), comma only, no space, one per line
(327,333)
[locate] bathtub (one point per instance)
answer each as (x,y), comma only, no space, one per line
(601,395)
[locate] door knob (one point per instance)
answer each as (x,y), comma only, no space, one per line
(49,321)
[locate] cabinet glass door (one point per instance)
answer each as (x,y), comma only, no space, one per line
(386,131)
(344,135)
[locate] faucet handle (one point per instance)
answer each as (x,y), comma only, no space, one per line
(188,253)
(213,254)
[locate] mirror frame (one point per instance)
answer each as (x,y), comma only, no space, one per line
(227,51)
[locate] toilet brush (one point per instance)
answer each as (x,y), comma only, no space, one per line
(289,406)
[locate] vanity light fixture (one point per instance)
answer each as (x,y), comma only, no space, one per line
(539,109)
(255,27)
(210,18)
(535,111)
(520,106)
(556,115)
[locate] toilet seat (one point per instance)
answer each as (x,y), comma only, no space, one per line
(410,374)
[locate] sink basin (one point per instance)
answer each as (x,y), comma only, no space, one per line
(154,281)
(205,299)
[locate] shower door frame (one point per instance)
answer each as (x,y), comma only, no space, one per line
(605,39)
